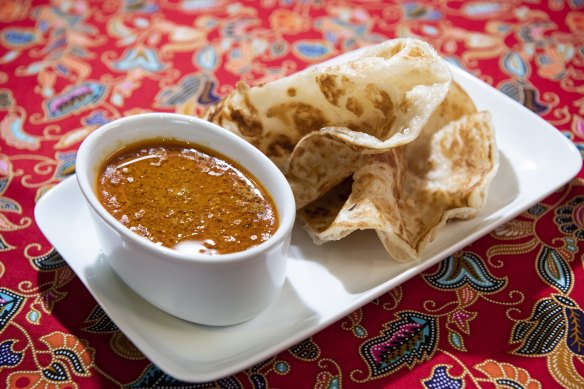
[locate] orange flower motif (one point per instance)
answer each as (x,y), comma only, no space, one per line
(83,355)
(11,10)
(504,372)
(575,21)
(36,379)
(71,357)
(288,22)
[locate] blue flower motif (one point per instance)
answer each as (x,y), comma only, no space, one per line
(10,304)
(441,380)
(77,98)
(465,269)
(66,164)
(17,37)
(415,11)
(140,57)
(96,118)
(569,217)
(7,356)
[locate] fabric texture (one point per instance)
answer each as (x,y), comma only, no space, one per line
(505,311)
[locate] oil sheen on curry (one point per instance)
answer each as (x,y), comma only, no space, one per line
(186,197)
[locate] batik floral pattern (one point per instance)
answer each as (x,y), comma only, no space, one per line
(503,312)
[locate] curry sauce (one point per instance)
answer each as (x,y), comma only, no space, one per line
(186,197)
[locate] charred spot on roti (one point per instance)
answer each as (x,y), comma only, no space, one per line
(246,118)
(357,66)
(406,104)
(216,114)
(247,125)
(308,118)
(354,106)
(381,100)
(391,51)
(305,117)
(416,53)
(299,152)
(333,87)
(291,92)
(280,146)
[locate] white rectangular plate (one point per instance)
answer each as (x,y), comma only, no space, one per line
(324,283)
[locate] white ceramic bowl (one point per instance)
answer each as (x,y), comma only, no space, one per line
(214,290)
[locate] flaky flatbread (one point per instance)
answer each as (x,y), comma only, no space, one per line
(407,194)
(378,100)
(383,141)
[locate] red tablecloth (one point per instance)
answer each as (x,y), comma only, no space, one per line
(67,67)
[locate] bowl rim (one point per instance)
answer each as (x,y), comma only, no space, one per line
(286,216)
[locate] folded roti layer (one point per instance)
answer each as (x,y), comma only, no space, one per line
(380,99)
(383,141)
(322,159)
(407,207)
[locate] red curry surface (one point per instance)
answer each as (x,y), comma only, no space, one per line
(186,197)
